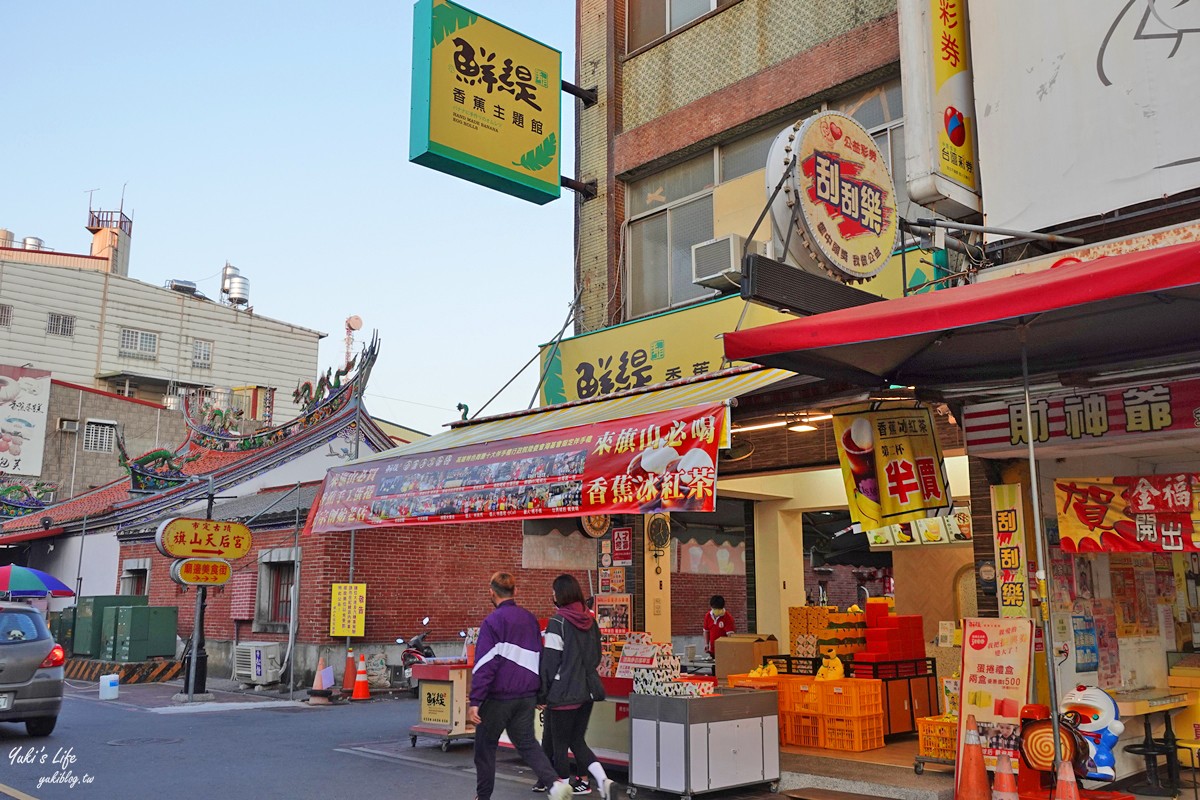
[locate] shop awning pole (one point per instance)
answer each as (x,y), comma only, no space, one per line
(1043,575)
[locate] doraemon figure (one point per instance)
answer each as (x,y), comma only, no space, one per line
(1093,712)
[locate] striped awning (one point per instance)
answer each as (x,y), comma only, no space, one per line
(711,388)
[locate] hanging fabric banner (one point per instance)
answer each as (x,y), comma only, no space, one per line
(1136,513)
(664,461)
(891,462)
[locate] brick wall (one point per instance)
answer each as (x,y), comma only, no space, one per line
(842,590)
(690,594)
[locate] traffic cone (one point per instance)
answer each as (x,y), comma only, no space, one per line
(318,695)
(970,774)
(348,677)
(1067,788)
(362,690)
(1004,787)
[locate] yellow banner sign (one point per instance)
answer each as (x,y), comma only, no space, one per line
(1012,566)
(183,537)
(485,102)
(348,609)
(201,572)
(891,462)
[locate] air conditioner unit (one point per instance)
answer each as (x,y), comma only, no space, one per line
(68,425)
(256,662)
(717,263)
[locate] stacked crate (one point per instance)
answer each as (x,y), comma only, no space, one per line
(851,714)
(799,710)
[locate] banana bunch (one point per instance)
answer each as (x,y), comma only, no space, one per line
(767,671)
(854,609)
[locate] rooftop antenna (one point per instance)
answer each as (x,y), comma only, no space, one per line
(123,185)
(89,193)
(353,323)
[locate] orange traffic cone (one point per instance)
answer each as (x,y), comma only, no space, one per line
(1004,787)
(319,694)
(970,774)
(348,677)
(362,690)
(1066,788)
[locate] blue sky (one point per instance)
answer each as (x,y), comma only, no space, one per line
(274,135)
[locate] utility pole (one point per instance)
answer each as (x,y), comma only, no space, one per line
(197,675)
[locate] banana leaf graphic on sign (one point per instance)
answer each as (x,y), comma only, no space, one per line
(539,157)
(448,19)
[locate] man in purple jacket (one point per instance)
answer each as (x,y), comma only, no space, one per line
(504,687)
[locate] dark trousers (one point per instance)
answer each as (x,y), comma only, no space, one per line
(516,717)
(567,729)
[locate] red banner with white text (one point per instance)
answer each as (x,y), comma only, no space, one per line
(665,461)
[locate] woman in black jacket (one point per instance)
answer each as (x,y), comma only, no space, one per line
(570,683)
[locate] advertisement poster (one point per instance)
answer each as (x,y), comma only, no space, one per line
(995,683)
(1062,579)
(1126,514)
(614,612)
(1087,652)
(1105,618)
(1008,522)
(612,580)
(663,461)
(622,547)
(24,403)
(891,463)
(955,528)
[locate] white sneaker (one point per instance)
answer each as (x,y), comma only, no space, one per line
(561,790)
(608,789)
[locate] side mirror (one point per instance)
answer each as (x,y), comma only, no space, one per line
(400,640)
(462,634)
(425,621)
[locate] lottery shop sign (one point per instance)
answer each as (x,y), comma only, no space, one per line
(485,102)
(664,461)
(1137,513)
(847,199)
(1153,411)
(1012,565)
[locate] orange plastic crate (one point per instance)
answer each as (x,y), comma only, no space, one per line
(799,694)
(938,737)
(852,734)
(851,697)
(800,730)
(746,682)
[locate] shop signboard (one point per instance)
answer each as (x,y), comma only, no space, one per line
(622,547)
(662,461)
(994,683)
(1008,524)
(939,142)
(612,580)
(436,702)
(24,405)
(613,613)
(891,463)
(348,609)
(485,102)
(1130,514)
(1149,412)
(184,537)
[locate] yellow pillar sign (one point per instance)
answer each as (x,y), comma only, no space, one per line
(348,610)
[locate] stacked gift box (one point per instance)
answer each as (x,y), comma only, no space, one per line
(894,637)
(665,678)
(819,630)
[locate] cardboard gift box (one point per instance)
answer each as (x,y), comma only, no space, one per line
(738,653)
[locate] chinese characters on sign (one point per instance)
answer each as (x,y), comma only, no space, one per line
(622,547)
(994,682)
(348,609)
(1012,568)
(954,99)
(665,461)
(1135,411)
(1138,513)
(201,572)
(183,537)
(891,463)
(24,403)
(436,702)
(486,102)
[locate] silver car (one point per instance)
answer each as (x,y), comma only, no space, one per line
(31,670)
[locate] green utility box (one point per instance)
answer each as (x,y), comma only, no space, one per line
(62,627)
(89,619)
(142,632)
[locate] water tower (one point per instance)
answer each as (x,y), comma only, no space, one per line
(234,285)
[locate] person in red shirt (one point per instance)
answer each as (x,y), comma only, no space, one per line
(717,623)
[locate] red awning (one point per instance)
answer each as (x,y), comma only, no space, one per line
(1108,313)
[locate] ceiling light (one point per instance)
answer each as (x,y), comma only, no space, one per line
(815,417)
(801,427)
(759,427)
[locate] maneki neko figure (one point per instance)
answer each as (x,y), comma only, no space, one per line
(1093,712)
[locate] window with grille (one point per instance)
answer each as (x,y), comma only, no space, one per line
(273,595)
(202,350)
(98,437)
(5,316)
(653,19)
(139,344)
(60,324)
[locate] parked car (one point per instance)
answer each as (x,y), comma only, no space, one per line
(31,670)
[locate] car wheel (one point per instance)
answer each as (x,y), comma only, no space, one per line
(42,726)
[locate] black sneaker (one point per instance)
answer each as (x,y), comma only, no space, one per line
(539,787)
(580,786)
